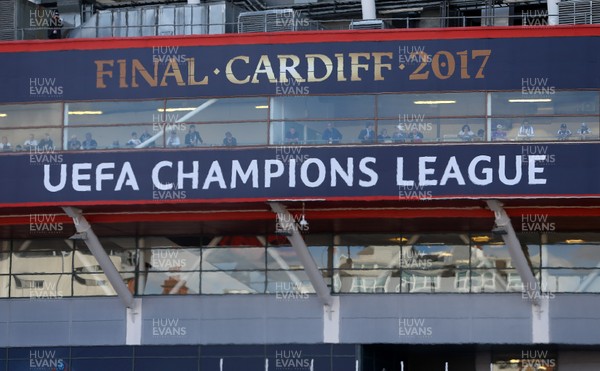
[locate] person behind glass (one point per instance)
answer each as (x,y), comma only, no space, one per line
(5,145)
(73,144)
(499,134)
(192,138)
(30,143)
(89,142)
(367,135)
(173,140)
(229,140)
(46,142)
(466,134)
(584,131)
(480,135)
(331,135)
(415,136)
(400,136)
(56,24)
(134,140)
(384,137)
(145,136)
(292,137)
(563,133)
(526,130)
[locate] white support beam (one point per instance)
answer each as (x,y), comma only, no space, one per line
(91,240)
(299,246)
(505,228)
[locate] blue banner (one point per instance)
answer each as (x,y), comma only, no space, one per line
(534,65)
(402,172)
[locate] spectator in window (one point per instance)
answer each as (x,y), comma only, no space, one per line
(56,23)
(145,136)
(229,140)
(5,145)
(331,135)
(46,142)
(292,137)
(584,131)
(30,143)
(133,141)
(192,138)
(173,140)
(526,130)
(499,134)
(384,137)
(563,133)
(89,142)
(73,144)
(415,136)
(466,134)
(367,135)
(400,136)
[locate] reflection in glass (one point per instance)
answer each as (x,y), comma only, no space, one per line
(301,107)
(109,137)
(364,281)
(233,258)
(557,103)
(41,286)
(410,108)
(217,110)
(39,114)
(103,113)
(172,283)
(233,282)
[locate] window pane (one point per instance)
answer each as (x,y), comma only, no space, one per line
(570,280)
(417,107)
(238,282)
(102,113)
(42,256)
(431,130)
(171,283)
(4,256)
(44,114)
(364,281)
(323,132)
(4,284)
(556,103)
(222,109)
(233,258)
(41,286)
(241,134)
(109,137)
(34,141)
(322,107)
(545,128)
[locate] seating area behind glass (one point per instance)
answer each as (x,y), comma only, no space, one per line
(46,268)
(301,120)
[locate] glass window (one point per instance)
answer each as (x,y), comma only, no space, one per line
(217,110)
(415,107)
(40,141)
(102,113)
(23,115)
(170,283)
(323,132)
(545,128)
(543,100)
(228,135)
(4,256)
(110,137)
(302,107)
(233,282)
(431,130)
(525,359)
(233,258)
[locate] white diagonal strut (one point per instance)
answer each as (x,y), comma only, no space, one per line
(91,240)
(310,267)
(519,260)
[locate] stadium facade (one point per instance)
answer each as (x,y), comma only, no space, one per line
(423,199)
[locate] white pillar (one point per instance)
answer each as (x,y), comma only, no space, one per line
(552,12)
(368,9)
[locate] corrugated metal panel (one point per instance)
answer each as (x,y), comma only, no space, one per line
(272,21)
(7,20)
(579,12)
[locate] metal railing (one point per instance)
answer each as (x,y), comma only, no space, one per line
(343,24)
